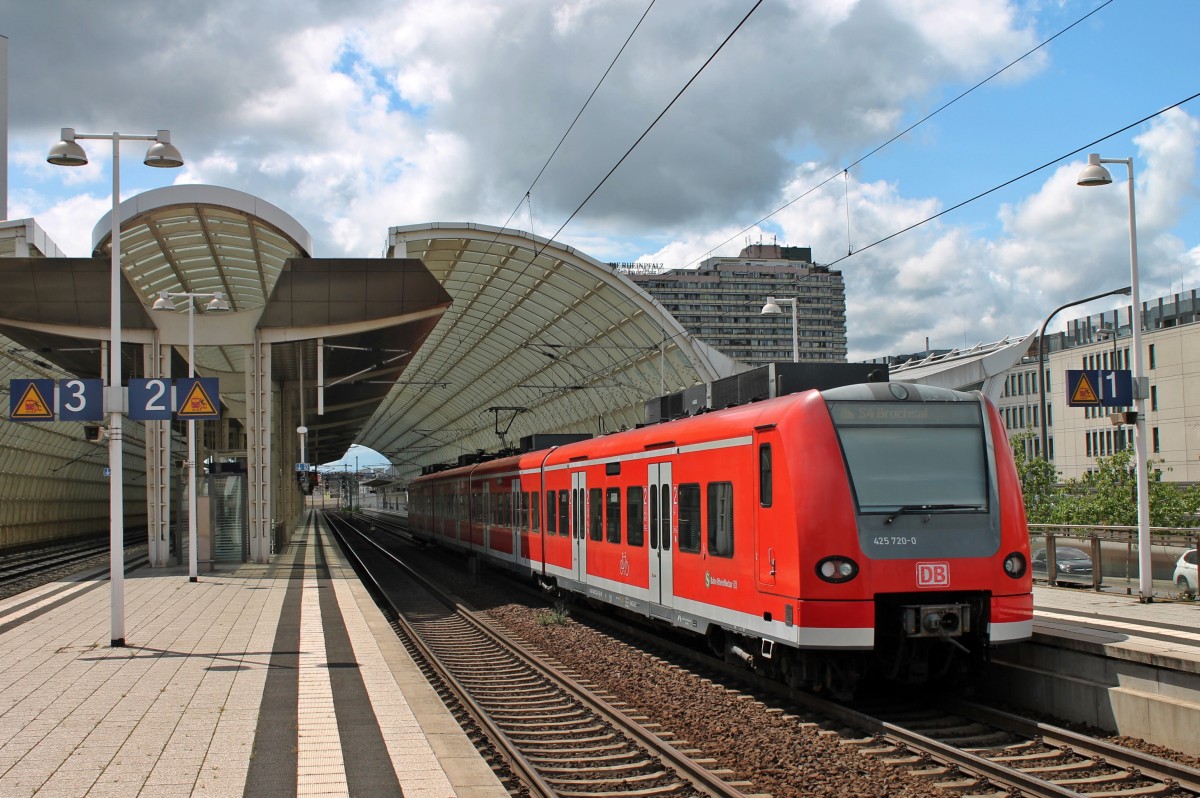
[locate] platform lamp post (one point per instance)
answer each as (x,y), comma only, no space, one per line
(1094,174)
(771,308)
(162,154)
(216,302)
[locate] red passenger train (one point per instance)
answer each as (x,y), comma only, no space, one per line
(819,536)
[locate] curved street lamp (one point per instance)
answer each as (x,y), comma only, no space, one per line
(161,154)
(1042,355)
(1094,174)
(771,308)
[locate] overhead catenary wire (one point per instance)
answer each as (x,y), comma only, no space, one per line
(1020,177)
(527,263)
(527,196)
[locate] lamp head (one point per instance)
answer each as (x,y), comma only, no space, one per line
(163,302)
(217,302)
(67,152)
(771,308)
(162,152)
(1093,174)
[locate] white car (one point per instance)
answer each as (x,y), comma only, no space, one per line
(1185,572)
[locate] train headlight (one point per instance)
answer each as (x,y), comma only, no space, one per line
(1014,565)
(837,569)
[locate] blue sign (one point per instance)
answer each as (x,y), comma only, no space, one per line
(31,400)
(198,398)
(81,400)
(1099,388)
(150,400)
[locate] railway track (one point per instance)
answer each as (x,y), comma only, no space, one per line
(559,737)
(961,747)
(23,570)
(992,743)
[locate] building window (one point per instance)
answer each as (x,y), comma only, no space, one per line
(1153,397)
(1153,360)
(1154,439)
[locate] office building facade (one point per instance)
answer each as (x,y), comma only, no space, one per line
(1077,436)
(721,303)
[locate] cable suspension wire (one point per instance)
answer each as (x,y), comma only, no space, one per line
(904,132)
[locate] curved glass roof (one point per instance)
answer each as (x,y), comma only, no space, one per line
(540,339)
(203,239)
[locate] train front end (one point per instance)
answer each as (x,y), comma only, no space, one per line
(941,546)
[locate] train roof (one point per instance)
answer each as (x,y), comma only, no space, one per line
(705,426)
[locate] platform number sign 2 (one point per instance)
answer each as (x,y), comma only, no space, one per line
(150,400)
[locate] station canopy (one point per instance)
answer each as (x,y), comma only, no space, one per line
(540,338)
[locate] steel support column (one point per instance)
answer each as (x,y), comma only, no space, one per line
(258,447)
(157,364)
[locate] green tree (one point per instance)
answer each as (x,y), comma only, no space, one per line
(1106,496)
(1039,483)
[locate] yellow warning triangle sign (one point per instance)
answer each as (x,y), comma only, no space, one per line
(1084,393)
(197,403)
(33,406)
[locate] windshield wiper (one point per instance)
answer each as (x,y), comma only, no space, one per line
(905,509)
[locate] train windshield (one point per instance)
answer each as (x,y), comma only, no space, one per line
(914,456)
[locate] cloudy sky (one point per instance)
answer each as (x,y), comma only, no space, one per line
(356,116)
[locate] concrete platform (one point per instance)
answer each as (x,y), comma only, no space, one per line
(1108,660)
(280,680)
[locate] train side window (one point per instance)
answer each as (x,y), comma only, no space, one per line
(720,519)
(689,517)
(654,516)
(765,492)
(525,511)
(665,506)
(612,515)
(595,514)
(551,517)
(564,512)
(634,516)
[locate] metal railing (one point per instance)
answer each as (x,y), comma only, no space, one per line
(1106,558)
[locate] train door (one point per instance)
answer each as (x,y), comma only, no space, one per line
(579,523)
(661,586)
(486,521)
(520,518)
(766,524)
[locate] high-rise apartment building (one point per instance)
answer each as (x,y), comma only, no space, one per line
(721,303)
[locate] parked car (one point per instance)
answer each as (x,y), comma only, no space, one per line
(1071,565)
(1185,572)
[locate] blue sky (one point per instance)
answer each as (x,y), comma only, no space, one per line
(353,117)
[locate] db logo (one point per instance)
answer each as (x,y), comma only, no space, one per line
(933,574)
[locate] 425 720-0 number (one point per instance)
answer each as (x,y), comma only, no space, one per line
(892,540)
